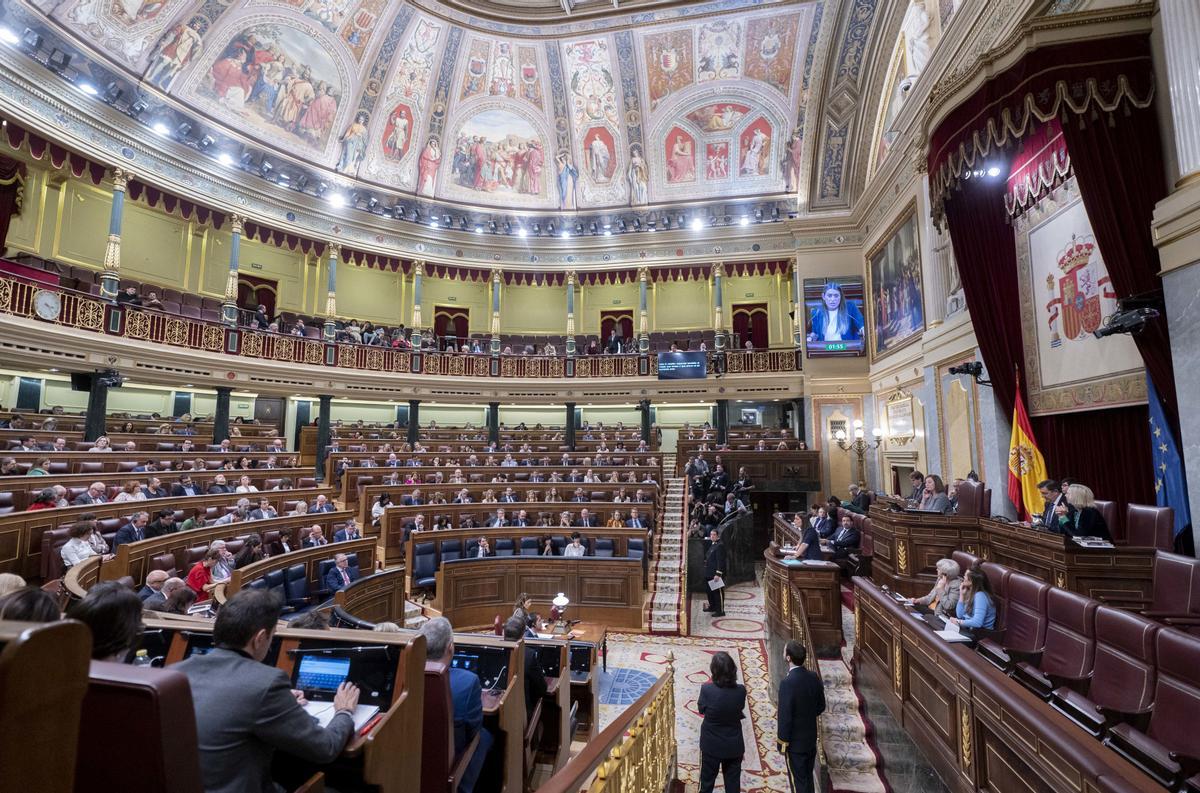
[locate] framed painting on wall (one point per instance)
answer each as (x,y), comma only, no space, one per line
(900,418)
(894,288)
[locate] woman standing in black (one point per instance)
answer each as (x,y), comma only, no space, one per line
(722,703)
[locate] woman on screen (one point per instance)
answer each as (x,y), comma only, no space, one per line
(835,319)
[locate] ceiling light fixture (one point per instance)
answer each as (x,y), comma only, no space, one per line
(337,200)
(8,37)
(744,221)
(697,224)
(225,158)
(521,231)
(161,128)
(88,89)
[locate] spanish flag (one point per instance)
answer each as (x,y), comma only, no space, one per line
(1025,464)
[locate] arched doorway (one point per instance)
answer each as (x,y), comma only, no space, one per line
(750,323)
(621,320)
(451,324)
(254,292)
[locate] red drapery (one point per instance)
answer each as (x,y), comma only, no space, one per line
(12,183)
(1109,126)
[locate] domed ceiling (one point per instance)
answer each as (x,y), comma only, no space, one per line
(592,105)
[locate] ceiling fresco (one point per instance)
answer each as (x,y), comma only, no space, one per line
(411,98)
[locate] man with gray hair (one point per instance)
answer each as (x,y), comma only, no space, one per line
(237,515)
(159,599)
(467,694)
(943,598)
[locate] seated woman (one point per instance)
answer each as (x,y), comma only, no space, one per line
(576,547)
(85,542)
(615,522)
(810,542)
(934,498)
(547,545)
(943,598)
(1079,516)
(976,607)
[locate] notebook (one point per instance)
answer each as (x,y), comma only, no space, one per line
(324,712)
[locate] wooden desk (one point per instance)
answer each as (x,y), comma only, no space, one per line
(908,545)
(777,472)
(979,729)
(592,632)
(388,755)
(817,585)
(472,592)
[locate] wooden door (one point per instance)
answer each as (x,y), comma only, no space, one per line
(269,411)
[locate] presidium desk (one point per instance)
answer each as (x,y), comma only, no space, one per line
(906,546)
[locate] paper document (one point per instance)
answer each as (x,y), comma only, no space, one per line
(952,636)
(323,712)
(716,583)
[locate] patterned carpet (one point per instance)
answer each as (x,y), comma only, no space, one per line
(635,661)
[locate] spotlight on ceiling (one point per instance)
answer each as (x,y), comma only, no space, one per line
(744,221)
(301,182)
(479,229)
(579,228)
(433,224)
(492,226)
(537,228)
(637,224)
(993,171)
(322,187)
(183,130)
(550,228)
(608,232)
(521,231)
(566,235)
(31,40)
(113,93)
(58,61)
(265,167)
(337,200)
(246,159)
(508,227)
(205,141)
(88,89)
(226,159)
(372,202)
(697,224)
(593,228)
(8,37)
(414,216)
(161,128)
(138,107)
(681,220)
(775,214)
(758,216)
(622,225)
(462,223)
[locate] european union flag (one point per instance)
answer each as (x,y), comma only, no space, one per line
(1170,486)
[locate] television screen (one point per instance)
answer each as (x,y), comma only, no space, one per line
(691,365)
(833,321)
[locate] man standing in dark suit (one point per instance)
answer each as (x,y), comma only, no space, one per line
(801,700)
(714,572)
(245,710)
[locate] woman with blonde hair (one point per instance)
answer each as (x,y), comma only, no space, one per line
(132,491)
(1079,516)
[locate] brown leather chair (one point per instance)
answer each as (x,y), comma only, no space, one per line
(151,709)
(1169,749)
(1024,623)
(966,561)
(1070,647)
(89,467)
(997,577)
(970,498)
(441,769)
(1150,527)
(1122,682)
(1108,510)
(52,542)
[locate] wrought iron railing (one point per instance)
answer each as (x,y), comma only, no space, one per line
(89,313)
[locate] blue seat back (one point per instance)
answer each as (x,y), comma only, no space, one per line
(637,548)
(424,562)
(451,550)
(603,546)
(472,549)
(504,546)
(529,546)
(295,583)
(274,581)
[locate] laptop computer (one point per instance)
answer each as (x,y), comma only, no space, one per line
(319,676)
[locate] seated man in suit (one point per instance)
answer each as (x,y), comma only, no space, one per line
(154,488)
(348,532)
(636,521)
(463,497)
(585,519)
(322,504)
(483,550)
(185,487)
(132,531)
(497,521)
(315,538)
(341,575)
(154,584)
(522,519)
(466,693)
(508,497)
(96,493)
(579,497)
(240,513)
(264,511)
(413,499)
(163,524)
(245,710)
(219,486)
(845,539)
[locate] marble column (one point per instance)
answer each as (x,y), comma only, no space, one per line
(1181,36)
(97,409)
(569,435)
(718,272)
(335,250)
(414,421)
(570,312)
(496,282)
(1181,289)
(644,409)
(934,250)
(493,422)
(110,277)
(418,274)
(229,304)
(797,306)
(221,414)
(721,421)
(325,401)
(643,311)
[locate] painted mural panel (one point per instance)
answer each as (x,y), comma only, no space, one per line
(277,79)
(719,51)
(894,289)
(771,49)
(754,149)
(498,153)
(175,51)
(669,63)
(718,117)
(681,156)
(716,160)
(479,55)
(529,76)
(413,72)
(599,151)
(127,29)
(591,83)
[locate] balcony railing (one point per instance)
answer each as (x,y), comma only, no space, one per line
(88,313)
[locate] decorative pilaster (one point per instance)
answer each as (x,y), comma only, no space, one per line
(797,306)
(496,280)
(643,310)
(325,402)
(718,272)
(335,251)
(221,414)
(1181,36)
(570,312)
(110,278)
(229,304)
(418,273)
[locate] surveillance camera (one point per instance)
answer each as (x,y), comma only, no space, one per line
(970,369)
(1131,321)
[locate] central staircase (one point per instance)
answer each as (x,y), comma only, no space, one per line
(666,602)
